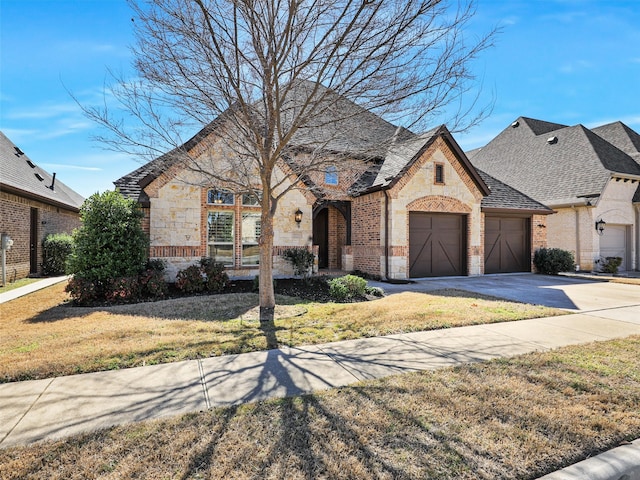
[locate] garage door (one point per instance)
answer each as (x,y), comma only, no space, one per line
(437,244)
(506,245)
(613,243)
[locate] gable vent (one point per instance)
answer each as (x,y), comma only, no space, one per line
(39,177)
(552,140)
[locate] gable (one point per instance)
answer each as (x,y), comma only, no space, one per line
(461,180)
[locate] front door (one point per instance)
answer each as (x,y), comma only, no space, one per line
(33,242)
(321,237)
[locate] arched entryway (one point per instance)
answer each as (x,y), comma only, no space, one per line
(331,232)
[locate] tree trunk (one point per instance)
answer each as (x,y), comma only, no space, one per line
(267,296)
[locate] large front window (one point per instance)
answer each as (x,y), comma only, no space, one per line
(221,237)
(234,228)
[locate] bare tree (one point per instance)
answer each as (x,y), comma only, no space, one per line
(288,85)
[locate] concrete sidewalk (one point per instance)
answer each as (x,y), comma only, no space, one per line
(54,408)
(30,288)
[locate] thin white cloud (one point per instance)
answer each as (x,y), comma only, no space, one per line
(42,112)
(62,166)
(63,130)
(18,135)
(576,66)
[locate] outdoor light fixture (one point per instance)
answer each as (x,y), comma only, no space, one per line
(600,226)
(298,216)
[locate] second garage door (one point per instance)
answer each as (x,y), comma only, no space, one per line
(506,244)
(613,243)
(437,244)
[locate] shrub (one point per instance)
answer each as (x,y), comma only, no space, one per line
(347,288)
(82,290)
(152,280)
(301,259)
(610,264)
(215,276)
(375,291)
(56,248)
(123,289)
(190,280)
(110,245)
(551,261)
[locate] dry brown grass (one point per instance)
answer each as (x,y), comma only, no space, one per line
(41,336)
(506,419)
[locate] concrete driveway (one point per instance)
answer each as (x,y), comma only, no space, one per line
(571,293)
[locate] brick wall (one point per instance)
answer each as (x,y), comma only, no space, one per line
(15,220)
(367,216)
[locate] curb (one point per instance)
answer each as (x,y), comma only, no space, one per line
(620,463)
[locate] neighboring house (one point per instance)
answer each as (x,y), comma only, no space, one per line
(585,175)
(33,204)
(417,209)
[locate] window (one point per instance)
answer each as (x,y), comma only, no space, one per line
(220,197)
(221,237)
(251,199)
(331,175)
(250,236)
(439,173)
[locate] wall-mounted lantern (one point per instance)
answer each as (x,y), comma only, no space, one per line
(600,226)
(298,217)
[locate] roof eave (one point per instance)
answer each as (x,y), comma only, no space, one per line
(39,198)
(523,211)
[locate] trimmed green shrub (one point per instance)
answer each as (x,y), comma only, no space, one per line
(347,288)
(301,259)
(110,245)
(375,291)
(552,261)
(610,264)
(56,248)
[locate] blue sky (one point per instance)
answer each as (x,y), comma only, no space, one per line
(564,61)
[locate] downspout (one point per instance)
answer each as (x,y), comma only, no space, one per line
(386,235)
(637,235)
(577,237)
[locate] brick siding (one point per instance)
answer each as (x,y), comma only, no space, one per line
(15,220)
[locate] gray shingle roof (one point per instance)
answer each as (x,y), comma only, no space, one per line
(391,149)
(504,197)
(626,139)
(552,164)
(19,173)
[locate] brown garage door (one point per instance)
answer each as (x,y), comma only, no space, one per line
(437,244)
(506,245)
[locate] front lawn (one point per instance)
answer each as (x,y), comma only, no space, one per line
(517,418)
(42,336)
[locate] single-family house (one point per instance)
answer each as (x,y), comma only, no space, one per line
(33,204)
(414,208)
(590,177)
